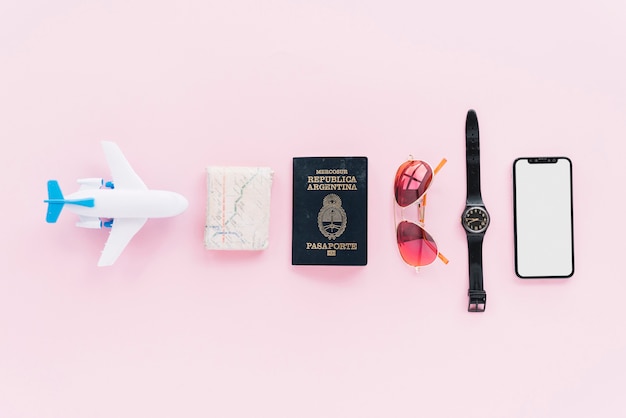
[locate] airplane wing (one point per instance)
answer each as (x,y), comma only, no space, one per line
(124,177)
(123,230)
(90,184)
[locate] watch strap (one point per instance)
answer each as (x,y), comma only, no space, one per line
(472,151)
(476,292)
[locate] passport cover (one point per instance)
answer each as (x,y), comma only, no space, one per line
(329,211)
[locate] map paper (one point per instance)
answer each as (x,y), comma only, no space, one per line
(238,208)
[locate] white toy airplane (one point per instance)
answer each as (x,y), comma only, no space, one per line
(123,205)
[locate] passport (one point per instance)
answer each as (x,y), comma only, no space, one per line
(329,225)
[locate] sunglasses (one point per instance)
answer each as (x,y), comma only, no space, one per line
(417,247)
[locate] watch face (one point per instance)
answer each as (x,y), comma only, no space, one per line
(475,219)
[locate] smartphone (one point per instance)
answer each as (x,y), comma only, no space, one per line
(543,217)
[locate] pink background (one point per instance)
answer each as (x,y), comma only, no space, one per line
(173,330)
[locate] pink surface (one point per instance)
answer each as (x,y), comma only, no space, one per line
(174,330)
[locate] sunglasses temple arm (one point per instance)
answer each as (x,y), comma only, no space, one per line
(421,209)
(441,164)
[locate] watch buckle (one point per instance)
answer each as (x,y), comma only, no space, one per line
(477,300)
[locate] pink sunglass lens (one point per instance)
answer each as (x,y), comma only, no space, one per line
(412,180)
(417,247)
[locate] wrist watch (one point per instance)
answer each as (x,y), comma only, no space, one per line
(475,218)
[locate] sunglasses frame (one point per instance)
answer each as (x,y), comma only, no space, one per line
(421,209)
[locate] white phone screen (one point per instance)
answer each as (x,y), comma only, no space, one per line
(544,239)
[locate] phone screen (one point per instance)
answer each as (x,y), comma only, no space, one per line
(543,217)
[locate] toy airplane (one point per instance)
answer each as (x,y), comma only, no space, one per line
(123,205)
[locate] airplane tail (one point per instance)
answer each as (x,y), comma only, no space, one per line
(55,201)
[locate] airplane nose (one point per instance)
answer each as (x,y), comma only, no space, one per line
(181,203)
